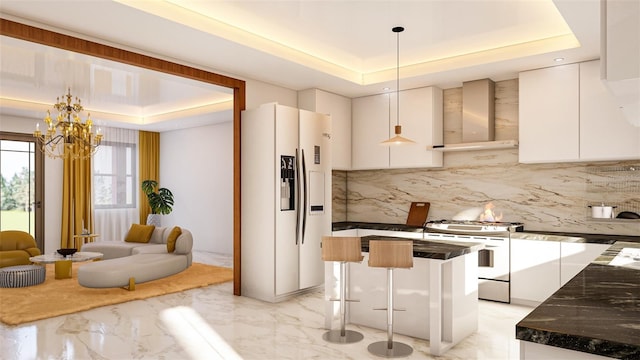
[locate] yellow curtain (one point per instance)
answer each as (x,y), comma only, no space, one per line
(77,202)
(149,154)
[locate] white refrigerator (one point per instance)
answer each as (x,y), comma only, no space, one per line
(285,200)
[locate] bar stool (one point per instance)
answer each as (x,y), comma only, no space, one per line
(390,254)
(343,250)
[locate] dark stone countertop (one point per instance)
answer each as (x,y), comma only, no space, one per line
(348,225)
(598,311)
(526,234)
(430,249)
(573,237)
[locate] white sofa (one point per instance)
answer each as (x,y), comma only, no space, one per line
(128,263)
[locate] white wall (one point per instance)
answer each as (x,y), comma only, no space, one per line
(196,164)
(259,93)
(52,183)
(207,213)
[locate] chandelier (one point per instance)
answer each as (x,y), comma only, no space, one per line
(68,136)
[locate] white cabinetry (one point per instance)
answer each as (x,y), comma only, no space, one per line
(370,126)
(339,108)
(548,121)
(535,270)
(539,268)
(604,132)
(576,256)
(566,114)
(374,119)
(620,45)
(421,120)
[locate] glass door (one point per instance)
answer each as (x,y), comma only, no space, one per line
(22,188)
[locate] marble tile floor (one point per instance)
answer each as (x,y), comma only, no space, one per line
(211,323)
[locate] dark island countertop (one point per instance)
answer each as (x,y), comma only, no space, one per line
(598,311)
(430,249)
(348,225)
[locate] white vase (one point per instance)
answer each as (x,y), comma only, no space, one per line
(154,219)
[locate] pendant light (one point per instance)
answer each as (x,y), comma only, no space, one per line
(398,139)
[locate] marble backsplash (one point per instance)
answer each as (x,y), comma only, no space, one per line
(545,197)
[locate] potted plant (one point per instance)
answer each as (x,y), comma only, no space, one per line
(160,201)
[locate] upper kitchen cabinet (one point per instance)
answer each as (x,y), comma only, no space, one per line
(620,54)
(605,134)
(548,121)
(370,126)
(567,114)
(374,119)
(339,107)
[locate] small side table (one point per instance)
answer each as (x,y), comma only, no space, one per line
(63,263)
(82,239)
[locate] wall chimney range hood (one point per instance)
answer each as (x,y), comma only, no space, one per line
(478,119)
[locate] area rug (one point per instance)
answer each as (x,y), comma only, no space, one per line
(60,297)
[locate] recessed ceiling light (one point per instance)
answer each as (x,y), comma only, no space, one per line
(558,59)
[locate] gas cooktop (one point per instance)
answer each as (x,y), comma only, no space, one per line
(474,226)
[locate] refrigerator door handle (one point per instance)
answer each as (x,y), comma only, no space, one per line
(304,194)
(298,198)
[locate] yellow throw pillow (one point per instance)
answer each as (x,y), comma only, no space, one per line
(171,239)
(139,233)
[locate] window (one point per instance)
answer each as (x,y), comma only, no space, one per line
(114,175)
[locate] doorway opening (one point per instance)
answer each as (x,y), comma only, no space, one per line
(22,192)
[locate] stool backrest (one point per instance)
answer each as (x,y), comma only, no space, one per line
(391,253)
(341,248)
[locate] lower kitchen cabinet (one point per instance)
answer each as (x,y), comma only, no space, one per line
(535,270)
(539,268)
(576,256)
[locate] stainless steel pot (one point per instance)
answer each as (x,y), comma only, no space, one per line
(602,211)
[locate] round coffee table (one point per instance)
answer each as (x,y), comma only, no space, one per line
(63,263)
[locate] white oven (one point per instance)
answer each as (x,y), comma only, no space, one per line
(494,261)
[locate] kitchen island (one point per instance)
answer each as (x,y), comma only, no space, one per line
(596,315)
(439,294)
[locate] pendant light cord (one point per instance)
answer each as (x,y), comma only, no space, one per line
(398,30)
(398,79)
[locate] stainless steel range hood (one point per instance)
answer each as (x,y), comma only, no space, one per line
(478,119)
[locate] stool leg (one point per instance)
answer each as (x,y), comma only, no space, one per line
(390,309)
(343,298)
(343,336)
(390,348)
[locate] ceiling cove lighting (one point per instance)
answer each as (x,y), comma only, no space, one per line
(68,136)
(398,139)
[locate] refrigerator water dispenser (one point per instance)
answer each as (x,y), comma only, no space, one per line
(287,183)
